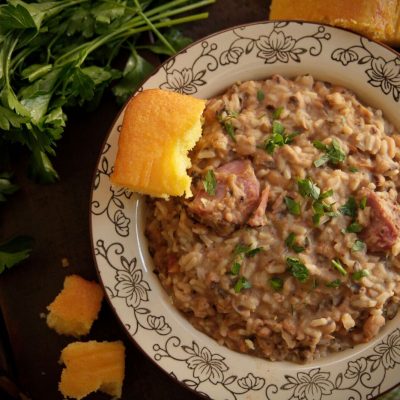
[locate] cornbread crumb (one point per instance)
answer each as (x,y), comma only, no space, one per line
(92,366)
(65,262)
(76,307)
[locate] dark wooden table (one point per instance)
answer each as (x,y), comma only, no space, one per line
(57,217)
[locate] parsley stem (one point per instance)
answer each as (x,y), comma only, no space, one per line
(122,32)
(181,10)
(153,28)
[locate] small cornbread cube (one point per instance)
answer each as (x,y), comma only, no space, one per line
(76,307)
(92,366)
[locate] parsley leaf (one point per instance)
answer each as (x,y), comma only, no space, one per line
(349,208)
(291,243)
(276,283)
(297,269)
(135,71)
(354,227)
(333,153)
(363,203)
(308,189)
(210,182)
(353,169)
(225,118)
(6,187)
(358,245)
(359,274)
(334,284)
(14,251)
(241,283)
(277,113)
(292,205)
(235,268)
(260,95)
(278,138)
(338,266)
(247,251)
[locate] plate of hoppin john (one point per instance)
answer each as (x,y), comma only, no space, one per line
(244,214)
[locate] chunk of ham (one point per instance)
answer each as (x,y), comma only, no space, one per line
(237,195)
(383,229)
(258,216)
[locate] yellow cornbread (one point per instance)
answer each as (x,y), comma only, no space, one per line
(76,307)
(158,130)
(92,366)
(377,19)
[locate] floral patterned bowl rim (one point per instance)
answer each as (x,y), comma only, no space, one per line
(205,68)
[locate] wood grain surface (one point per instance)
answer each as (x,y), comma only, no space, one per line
(57,216)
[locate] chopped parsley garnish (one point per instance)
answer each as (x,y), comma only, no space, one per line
(354,227)
(353,169)
(326,194)
(230,130)
(339,267)
(308,189)
(278,138)
(239,253)
(247,251)
(210,183)
(297,269)
(235,268)
(241,283)
(260,95)
(321,209)
(253,252)
(363,203)
(225,118)
(359,274)
(277,113)
(291,243)
(276,283)
(292,205)
(358,245)
(334,284)
(333,153)
(349,208)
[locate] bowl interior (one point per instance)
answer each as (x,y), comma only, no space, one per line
(205,63)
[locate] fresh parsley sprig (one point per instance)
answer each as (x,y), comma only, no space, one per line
(58,55)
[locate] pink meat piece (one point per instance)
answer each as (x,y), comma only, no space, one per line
(236,196)
(257,218)
(384,225)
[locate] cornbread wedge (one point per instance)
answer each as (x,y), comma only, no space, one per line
(377,19)
(158,130)
(76,307)
(92,366)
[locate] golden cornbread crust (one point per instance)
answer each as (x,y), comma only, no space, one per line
(158,130)
(92,366)
(377,19)
(76,307)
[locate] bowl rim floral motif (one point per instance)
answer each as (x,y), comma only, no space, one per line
(196,360)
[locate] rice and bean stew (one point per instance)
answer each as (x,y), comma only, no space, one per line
(288,249)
